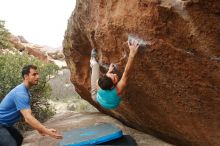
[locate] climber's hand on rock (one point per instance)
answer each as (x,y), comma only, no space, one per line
(133,46)
(111,68)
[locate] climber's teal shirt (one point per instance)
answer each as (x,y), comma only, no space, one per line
(108,99)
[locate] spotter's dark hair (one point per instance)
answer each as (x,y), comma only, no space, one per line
(26,69)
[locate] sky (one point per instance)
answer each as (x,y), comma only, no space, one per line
(41,22)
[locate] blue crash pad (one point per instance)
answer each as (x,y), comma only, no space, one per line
(91,135)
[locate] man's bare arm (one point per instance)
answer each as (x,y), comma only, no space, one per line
(33,122)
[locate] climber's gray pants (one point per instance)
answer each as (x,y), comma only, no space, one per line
(94,78)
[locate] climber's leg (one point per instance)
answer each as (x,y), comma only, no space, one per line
(95,73)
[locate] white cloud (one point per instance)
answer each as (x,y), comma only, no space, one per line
(40,21)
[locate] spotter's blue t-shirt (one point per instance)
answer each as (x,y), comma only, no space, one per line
(16,100)
(108,99)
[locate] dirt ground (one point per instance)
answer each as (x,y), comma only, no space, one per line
(69,120)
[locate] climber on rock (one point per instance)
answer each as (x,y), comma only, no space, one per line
(106,90)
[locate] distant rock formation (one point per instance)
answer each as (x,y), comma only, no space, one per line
(21,44)
(174,89)
(57,55)
(22,39)
(44,53)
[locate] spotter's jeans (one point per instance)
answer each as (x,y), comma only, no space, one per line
(10,136)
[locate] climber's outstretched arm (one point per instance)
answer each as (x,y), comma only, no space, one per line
(133,46)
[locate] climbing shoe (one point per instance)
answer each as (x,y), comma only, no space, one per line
(94,53)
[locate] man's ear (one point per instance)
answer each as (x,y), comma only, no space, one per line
(25,76)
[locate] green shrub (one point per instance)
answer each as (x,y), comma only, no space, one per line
(10,76)
(4,36)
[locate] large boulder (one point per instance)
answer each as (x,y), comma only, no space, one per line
(174,89)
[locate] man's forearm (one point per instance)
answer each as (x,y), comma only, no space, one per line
(33,122)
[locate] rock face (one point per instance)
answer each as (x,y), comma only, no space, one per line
(174,89)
